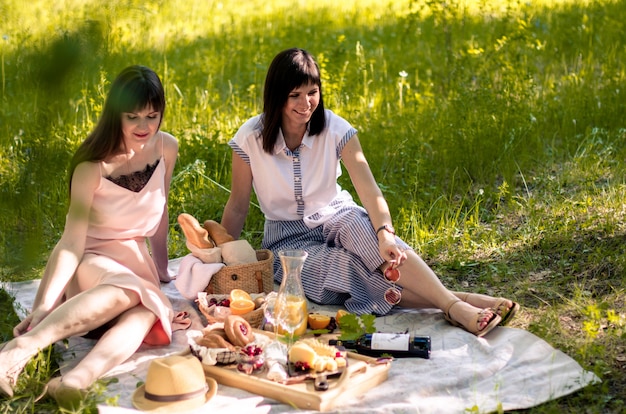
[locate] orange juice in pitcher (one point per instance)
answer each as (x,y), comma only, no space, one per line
(291,309)
(293,316)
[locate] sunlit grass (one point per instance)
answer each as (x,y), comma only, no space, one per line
(495,129)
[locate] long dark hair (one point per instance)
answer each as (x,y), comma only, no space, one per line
(290,69)
(135,88)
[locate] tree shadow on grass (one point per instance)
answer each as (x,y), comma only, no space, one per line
(228,66)
(558,267)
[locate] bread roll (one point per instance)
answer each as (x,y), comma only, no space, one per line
(238,330)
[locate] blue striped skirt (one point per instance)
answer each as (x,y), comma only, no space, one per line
(342,263)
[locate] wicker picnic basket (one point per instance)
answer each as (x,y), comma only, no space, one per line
(254,318)
(257,277)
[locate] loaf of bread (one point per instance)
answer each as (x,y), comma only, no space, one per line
(217,232)
(213,340)
(194,232)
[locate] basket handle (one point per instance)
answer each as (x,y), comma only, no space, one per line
(259,280)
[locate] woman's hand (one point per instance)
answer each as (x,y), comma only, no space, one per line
(164,275)
(30,322)
(389,251)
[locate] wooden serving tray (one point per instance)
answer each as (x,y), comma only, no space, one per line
(361,374)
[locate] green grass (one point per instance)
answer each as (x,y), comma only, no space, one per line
(496,130)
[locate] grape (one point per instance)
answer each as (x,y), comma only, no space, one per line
(332,325)
(302,366)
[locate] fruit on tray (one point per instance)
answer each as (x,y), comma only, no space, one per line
(241,302)
(340,313)
(241,306)
(238,294)
(318,321)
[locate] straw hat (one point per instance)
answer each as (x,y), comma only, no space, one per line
(174,384)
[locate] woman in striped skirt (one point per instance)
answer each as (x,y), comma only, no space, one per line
(290,154)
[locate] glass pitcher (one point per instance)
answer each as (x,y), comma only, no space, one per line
(291,309)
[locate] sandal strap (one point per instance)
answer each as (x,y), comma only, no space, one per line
(446,312)
(449,305)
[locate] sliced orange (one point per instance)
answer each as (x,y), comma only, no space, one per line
(239,294)
(340,313)
(241,306)
(318,321)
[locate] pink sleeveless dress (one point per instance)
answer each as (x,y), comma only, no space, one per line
(116,252)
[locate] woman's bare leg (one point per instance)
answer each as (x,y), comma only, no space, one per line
(114,347)
(80,314)
(423,289)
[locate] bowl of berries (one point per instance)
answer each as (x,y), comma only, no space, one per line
(250,359)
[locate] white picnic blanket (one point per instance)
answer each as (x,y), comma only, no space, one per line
(508,369)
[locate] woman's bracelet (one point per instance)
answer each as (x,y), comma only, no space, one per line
(387,228)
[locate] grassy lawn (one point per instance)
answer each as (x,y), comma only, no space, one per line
(496,129)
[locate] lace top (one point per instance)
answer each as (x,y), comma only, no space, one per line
(137,180)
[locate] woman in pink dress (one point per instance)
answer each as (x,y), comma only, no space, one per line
(101,279)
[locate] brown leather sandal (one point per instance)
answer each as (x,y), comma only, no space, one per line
(501,309)
(473,329)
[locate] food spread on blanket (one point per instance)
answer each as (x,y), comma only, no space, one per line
(230,340)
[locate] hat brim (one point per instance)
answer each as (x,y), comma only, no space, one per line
(142,403)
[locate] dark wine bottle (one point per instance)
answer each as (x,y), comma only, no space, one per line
(398,345)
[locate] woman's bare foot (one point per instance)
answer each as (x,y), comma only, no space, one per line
(10,369)
(5,387)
